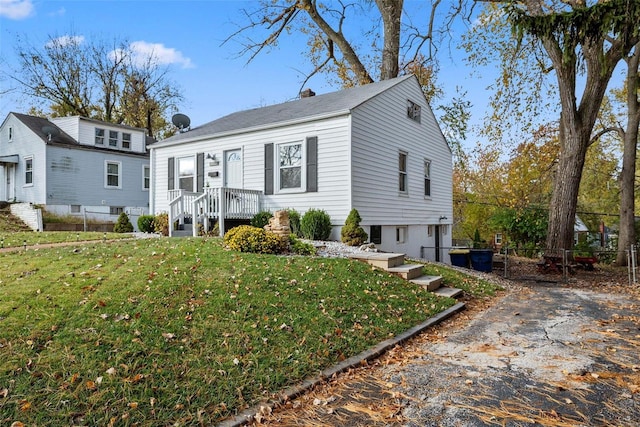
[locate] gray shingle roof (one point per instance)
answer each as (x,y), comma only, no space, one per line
(37,123)
(334,102)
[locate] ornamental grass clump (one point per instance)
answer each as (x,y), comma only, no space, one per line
(246,238)
(352,234)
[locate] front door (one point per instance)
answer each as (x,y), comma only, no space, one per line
(233,169)
(10,189)
(437,236)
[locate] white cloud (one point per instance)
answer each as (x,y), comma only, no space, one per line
(63,41)
(142,51)
(16,9)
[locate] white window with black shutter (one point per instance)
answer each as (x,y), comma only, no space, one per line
(291,167)
(186,173)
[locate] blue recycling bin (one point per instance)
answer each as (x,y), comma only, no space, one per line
(481,259)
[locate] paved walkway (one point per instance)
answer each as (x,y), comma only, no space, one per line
(544,356)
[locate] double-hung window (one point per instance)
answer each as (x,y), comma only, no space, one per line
(402,173)
(186,173)
(113,138)
(99,136)
(126,140)
(427,178)
(290,166)
(28,170)
(112,174)
(146,177)
(413,111)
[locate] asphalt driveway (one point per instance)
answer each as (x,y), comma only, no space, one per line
(541,355)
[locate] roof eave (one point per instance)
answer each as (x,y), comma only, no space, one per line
(162,144)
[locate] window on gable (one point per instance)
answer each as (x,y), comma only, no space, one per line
(28,170)
(146,180)
(112,174)
(402,172)
(10,134)
(413,111)
(99,136)
(113,138)
(290,166)
(427,178)
(126,140)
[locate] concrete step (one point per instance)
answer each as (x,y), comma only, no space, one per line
(407,271)
(445,291)
(430,283)
(380,259)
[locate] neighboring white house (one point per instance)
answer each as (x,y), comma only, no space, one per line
(75,165)
(376,148)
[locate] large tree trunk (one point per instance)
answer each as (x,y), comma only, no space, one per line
(627,233)
(562,211)
(391,12)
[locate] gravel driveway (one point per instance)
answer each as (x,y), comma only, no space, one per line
(540,355)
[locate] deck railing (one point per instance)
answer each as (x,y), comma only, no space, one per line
(214,203)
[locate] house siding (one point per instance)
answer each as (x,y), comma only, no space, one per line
(332,160)
(25,144)
(381,130)
(77,178)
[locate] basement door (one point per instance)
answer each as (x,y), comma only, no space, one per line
(233,169)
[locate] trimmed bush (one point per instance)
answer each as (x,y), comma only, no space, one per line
(352,234)
(145,223)
(315,225)
(123,225)
(299,247)
(261,219)
(246,238)
(161,224)
(294,221)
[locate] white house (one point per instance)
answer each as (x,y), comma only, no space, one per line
(376,148)
(74,165)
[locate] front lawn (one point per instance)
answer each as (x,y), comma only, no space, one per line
(180,331)
(13,239)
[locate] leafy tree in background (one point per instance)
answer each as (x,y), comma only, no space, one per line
(96,79)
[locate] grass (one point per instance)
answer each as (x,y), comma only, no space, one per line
(181,331)
(31,238)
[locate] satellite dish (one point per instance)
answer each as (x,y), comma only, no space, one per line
(181,121)
(50,131)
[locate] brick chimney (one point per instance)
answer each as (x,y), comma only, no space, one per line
(307,93)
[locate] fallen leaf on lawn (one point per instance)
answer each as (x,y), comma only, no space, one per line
(168,335)
(133,405)
(99,380)
(134,379)
(91,385)
(17,424)
(111,371)
(4,393)
(25,405)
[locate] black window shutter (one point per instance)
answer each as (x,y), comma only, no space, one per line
(268,169)
(200,172)
(171,173)
(312,164)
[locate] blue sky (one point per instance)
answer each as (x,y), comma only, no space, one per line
(188,36)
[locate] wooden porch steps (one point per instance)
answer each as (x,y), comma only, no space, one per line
(394,263)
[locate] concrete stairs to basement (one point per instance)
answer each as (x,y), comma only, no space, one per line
(395,264)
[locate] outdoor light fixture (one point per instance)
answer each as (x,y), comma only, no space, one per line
(442,218)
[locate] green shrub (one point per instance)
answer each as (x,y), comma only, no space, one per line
(246,238)
(294,221)
(161,223)
(145,223)
(299,247)
(315,225)
(261,219)
(352,234)
(123,225)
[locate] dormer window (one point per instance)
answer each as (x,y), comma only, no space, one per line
(126,141)
(413,111)
(99,136)
(113,138)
